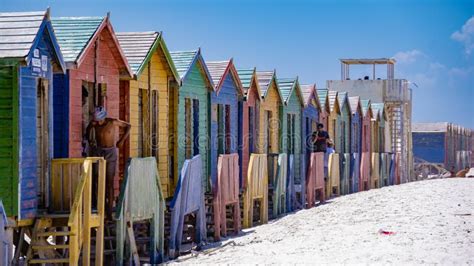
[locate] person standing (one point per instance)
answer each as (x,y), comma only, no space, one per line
(101,135)
(320,139)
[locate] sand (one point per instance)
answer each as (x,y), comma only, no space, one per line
(432,221)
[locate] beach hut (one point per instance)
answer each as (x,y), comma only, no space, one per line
(248,140)
(345,141)
(290,132)
(95,64)
(192,130)
(334,121)
(226,111)
(310,117)
(365,158)
(269,112)
(269,140)
(309,122)
(383,143)
(356,139)
(375,148)
(29,56)
(152,101)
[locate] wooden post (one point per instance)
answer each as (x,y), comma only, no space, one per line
(86,249)
(99,248)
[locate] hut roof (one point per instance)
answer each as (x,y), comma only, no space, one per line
(265,80)
(309,91)
(218,71)
(138,47)
(365,104)
(322,95)
(248,77)
(76,34)
(19,31)
(430,127)
(333,101)
(343,98)
(184,60)
(287,86)
(378,108)
(354,101)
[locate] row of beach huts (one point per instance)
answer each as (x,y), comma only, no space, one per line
(213,148)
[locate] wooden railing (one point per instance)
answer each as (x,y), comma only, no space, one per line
(71,190)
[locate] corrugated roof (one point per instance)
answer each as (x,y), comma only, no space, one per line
(332,95)
(307,90)
(430,127)
(18,31)
(343,98)
(365,104)
(217,70)
(354,102)
(264,80)
(378,108)
(183,61)
(74,33)
(246,76)
(136,46)
(286,87)
(322,95)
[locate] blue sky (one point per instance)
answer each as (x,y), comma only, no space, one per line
(432,40)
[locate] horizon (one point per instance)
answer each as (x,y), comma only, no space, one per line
(432,43)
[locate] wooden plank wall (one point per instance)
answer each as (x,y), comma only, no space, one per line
(108,73)
(9,136)
(158,78)
(194,87)
(228,95)
(293,107)
(271,103)
(254,102)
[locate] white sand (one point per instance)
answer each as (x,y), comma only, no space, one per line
(433,221)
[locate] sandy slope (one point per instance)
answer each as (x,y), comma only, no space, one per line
(433,221)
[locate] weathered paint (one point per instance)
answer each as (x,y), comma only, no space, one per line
(345,122)
(366,149)
(153,70)
(356,141)
(310,116)
(141,199)
(229,94)
(21,71)
(269,129)
(310,119)
(92,54)
(345,140)
(292,107)
(325,110)
(196,84)
(334,119)
(248,140)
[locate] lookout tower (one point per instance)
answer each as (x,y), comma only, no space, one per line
(394,93)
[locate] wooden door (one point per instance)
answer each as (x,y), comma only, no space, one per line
(42,140)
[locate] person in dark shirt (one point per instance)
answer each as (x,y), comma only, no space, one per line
(320,139)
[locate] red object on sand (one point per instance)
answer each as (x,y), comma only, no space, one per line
(383,232)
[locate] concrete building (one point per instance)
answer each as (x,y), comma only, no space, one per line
(394,93)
